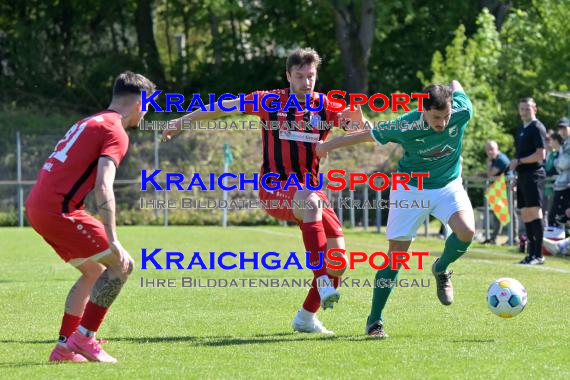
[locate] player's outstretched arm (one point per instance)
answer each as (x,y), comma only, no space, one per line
(105,199)
(456,86)
(199,115)
(323,148)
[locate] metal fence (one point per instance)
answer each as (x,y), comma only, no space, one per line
(13,193)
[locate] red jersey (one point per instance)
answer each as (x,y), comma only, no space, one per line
(69,173)
(292,149)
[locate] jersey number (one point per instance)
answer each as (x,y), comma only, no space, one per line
(69,139)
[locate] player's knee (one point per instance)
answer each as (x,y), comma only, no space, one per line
(92,272)
(131,267)
(337,272)
(311,210)
(126,270)
(466,233)
(312,205)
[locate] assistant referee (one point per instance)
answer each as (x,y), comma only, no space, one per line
(530,142)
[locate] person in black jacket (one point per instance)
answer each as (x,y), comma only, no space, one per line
(530,143)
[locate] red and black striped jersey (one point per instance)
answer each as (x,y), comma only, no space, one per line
(69,173)
(292,147)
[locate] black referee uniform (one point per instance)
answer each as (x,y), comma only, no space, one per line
(530,181)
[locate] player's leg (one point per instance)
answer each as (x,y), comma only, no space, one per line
(74,307)
(462,224)
(453,207)
(533,193)
(534,224)
(400,231)
(76,237)
(323,290)
(305,319)
(104,292)
(335,240)
(383,285)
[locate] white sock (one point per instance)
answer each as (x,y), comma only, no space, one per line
(306,315)
(324,283)
(83,331)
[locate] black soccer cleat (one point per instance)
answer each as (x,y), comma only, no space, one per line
(376,330)
(532,260)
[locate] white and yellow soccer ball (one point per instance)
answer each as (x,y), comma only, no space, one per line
(506,297)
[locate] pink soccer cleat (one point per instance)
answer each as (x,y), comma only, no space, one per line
(90,348)
(62,353)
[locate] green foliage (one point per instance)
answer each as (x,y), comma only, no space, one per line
(474,63)
(528,57)
(535,60)
(9,219)
(59,59)
(409,33)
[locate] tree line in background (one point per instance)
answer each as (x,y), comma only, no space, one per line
(61,55)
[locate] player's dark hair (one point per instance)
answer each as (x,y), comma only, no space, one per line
(302,57)
(129,83)
(557,137)
(439,97)
(527,99)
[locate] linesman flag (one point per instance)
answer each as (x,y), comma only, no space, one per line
(496,195)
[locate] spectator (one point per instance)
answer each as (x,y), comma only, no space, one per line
(555,142)
(562,184)
(497,164)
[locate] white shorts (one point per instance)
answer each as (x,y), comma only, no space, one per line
(441,203)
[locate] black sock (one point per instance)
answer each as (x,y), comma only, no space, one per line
(537,226)
(530,239)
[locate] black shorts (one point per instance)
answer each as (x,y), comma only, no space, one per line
(530,188)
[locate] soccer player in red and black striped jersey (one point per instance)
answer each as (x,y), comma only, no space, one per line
(292,149)
(87,158)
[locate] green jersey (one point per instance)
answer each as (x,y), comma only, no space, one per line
(425,150)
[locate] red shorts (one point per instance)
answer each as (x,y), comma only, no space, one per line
(331,223)
(75,236)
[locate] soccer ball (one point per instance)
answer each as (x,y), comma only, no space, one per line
(506,297)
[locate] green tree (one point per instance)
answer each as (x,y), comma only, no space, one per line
(535,60)
(474,62)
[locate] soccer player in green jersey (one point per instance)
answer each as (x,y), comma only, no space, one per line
(436,150)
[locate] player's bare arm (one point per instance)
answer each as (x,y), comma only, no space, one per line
(199,115)
(347,140)
(456,86)
(105,199)
(537,156)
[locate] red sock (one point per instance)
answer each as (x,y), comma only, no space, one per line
(313,300)
(93,316)
(336,281)
(69,324)
(315,241)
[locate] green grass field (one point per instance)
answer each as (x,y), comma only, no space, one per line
(245,333)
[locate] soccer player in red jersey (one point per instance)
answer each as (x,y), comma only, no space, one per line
(292,150)
(86,158)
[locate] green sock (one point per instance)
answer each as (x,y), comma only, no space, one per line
(381,293)
(454,249)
